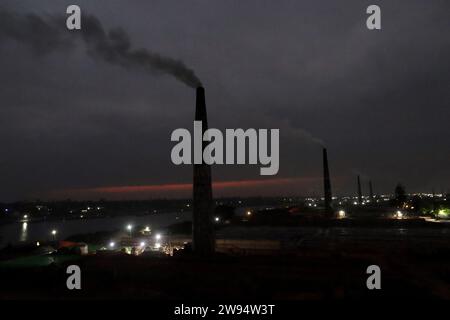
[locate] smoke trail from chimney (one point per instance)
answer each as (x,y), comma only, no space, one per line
(46,34)
(298,133)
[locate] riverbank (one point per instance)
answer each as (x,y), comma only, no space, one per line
(334,271)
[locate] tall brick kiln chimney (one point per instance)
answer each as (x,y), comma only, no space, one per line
(202,223)
(359,191)
(370,190)
(326,182)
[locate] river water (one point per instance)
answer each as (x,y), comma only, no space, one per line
(23,232)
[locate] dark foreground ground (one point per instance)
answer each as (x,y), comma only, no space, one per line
(330,270)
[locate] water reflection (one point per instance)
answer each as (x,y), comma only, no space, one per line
(24,233)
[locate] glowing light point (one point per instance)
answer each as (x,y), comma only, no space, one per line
(443,213)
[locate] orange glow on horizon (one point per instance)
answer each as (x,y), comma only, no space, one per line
(184,188)
(188,186)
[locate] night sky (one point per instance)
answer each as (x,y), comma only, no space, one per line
(73,126)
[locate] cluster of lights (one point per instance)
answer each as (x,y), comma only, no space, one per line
(142,244)
(399,214)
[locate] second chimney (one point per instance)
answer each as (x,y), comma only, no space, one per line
(359,191)
(326,182)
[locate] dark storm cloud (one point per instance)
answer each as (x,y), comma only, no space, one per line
(378,99)
(45,34)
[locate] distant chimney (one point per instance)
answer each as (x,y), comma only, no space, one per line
(370,190)
(359,191)
(326,182)
(202,223)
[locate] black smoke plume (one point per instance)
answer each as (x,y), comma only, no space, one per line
(46,34)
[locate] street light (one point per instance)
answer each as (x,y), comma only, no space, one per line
(54,234)
(158,236)
(129,228)
(112,244)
